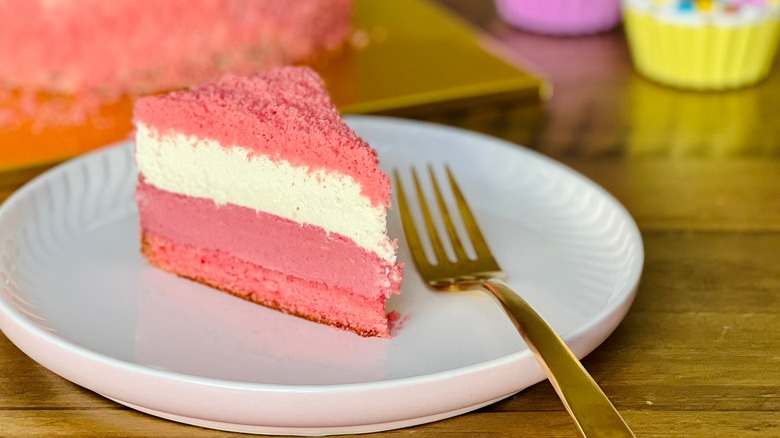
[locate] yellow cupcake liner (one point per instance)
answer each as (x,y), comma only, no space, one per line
(702,57)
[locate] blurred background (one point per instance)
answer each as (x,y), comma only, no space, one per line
(695,161)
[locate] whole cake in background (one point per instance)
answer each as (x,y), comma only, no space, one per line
(255,185)
(116,46)
(703,44)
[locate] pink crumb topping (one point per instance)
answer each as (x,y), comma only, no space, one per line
(284,113)
(396,322)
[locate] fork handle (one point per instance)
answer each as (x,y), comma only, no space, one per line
(587,404)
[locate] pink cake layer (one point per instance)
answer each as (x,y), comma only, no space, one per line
(284,113)
(72,46)
(311,300)
(303,251)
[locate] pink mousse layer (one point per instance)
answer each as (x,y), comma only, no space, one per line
(262,239)
(285,114)
(311,300)
(127,45)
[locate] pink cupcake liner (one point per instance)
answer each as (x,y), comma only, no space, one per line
(561,17)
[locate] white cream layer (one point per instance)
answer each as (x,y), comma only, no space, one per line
(203,168)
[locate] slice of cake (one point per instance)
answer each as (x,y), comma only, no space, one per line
(255,185)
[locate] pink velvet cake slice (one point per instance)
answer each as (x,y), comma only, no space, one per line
(255,185)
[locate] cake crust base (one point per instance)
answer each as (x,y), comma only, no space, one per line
(268,288)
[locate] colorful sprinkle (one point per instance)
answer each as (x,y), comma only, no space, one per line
(715,6)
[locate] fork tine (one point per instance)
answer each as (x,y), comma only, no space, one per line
(477,239)
(412,238)
(445,214)
(438,248)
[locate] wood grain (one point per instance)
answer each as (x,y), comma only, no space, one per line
(698,355)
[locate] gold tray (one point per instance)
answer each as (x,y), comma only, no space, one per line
(407,58)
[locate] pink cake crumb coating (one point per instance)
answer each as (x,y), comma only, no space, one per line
(285,113)
(130,45)
(311,300)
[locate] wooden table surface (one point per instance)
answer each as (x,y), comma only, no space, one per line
(699,352)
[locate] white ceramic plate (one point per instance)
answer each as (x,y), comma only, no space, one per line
(78,298)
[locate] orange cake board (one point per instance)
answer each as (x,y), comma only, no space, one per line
(405,57)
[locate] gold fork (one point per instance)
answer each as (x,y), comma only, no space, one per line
(593,413)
